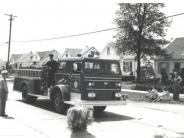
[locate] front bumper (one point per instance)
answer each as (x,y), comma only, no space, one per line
(96,103)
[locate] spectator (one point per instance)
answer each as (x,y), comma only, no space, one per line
(164,77)
(152,94)
(164,95)
(78,118)
(3,92)
(176,85)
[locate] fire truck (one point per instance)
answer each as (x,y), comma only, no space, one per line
(92,82)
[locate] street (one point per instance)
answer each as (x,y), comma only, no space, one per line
(137,119)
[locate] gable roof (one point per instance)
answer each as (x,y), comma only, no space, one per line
(112,46)
(87,49)
(14,58)
(176,48)
(44,56)
(25,58)
(73,51)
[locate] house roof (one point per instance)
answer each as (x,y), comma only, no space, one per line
(14,58)
(87,49)
(73,51)
(44,56)
(176,48)
(113,46)
(25,58)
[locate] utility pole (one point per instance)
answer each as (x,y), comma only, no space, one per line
(9,42)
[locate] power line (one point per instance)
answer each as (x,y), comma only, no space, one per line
(174,15)
(67,36)
(81,34)
(3,43)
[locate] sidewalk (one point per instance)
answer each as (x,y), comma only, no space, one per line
(136,95)
(12,128)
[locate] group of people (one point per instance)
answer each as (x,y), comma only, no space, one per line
(171,78)
(155,95)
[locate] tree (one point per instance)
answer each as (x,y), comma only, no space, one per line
(142,28)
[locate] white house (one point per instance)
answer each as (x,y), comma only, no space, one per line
(175,60)
(85,52)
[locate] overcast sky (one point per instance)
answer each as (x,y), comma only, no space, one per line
(40,19)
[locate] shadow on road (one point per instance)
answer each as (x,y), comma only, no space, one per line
(109,116)
(41,103)
(100,117)
(7,117)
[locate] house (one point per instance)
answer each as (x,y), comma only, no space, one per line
(127,61)
(27,59)
(44,56)
(175,61)
(85,52)
(13,59)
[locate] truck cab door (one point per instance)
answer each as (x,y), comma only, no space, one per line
(75,81)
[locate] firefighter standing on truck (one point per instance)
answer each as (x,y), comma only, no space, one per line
(52,66)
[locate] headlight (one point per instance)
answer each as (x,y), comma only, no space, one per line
(117,94)
(118,84)
(91,95)
(91,84)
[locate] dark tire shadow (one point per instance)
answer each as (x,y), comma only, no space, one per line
(41,103)
(109,116)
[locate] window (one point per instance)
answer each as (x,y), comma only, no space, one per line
(92,67)
(108,50)
(127,66)
(88,65)
(62,65)
(77,67)
(115,68)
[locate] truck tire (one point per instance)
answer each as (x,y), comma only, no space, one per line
(25,97)
(58,103)
(99,109)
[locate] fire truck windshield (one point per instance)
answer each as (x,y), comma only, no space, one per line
(102,67)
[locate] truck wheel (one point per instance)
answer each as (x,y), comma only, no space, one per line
(58,103)
(99,109)
(27,98)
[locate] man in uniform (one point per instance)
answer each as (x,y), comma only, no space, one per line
(52,66)
(3,92)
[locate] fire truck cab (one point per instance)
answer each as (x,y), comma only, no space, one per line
(82,81)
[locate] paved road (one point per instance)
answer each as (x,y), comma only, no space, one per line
(137,119)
